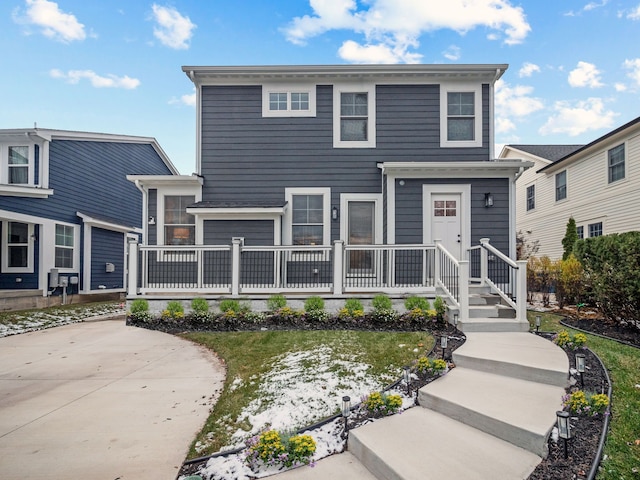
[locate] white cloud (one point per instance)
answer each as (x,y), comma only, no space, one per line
(585,75)
(452,53)
(504,125)
(593,5)
(173,29)
(634,13)
(515,101)
(110,81)
(396,25)
(188,99)
(355,53)
(54,23)
(574,119)
(620,87)
(528,69)
(634,67)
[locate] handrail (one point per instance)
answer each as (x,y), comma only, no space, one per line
(499,254)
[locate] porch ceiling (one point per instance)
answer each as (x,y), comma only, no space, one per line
(488,169)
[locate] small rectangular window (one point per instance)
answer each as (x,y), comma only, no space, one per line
(616,163)
(284,100)
(531,197)
(580,231)
(354,116)
(299,101)
(307,219)
(64,246)
(595,229)
(277,101)
(460,116)
(561,185)
(19,165)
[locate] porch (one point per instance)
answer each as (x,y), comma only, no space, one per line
(329,271)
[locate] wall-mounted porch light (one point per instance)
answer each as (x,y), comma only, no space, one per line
(152,220)
(335,213)
(488,200)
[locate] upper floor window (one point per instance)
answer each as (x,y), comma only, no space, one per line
(288,101)
(64,246)
(354,116)
(595,229)
(179,226)
(460,115)
(308,216)
(616,163)
(17,164)
(580,231)
(561,185)
(531,197)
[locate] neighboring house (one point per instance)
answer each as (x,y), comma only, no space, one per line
(67,209)
(331,179)
(597,184)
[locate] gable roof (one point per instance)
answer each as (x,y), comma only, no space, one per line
(547,152)
(593,145)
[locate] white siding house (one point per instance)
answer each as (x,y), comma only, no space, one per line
(597,184)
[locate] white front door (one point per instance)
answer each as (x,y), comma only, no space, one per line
(446,225)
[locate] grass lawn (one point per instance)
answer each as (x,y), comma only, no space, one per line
(621,453)
(342,360)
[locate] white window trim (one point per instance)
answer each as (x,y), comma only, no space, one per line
(5,248)
(4,162)
(75,267)
(326,206)
(446,88)
(370,90)
(161,194)
(566,186)
(625,163)
(288,88)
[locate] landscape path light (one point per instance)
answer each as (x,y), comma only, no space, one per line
(455,321)
(538,322)
(443,344)
(406,373)
(564,428)
(346,411)
(580,364)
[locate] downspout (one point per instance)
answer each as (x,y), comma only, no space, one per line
(145,210)
(492,139)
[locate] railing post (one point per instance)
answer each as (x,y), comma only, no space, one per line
(484,261)
(464,288)
(521,293)
(236,244)
(436,271)
(338,262)
(132,277)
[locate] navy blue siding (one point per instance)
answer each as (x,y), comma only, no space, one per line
(90,177)
(255,232)
(107,247)
(153,212)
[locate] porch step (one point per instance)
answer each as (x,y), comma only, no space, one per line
(479,324)
(514,354)
(484,299)
(491,311)
(517,411)
(422,444)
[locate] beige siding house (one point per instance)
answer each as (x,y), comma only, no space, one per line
(597,184)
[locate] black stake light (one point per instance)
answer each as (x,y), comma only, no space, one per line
(406,373)
(538,322)
(443,344)
(346,411)
(580,365)
(564,429)
(455,320)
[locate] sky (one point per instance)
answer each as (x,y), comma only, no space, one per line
(115,66)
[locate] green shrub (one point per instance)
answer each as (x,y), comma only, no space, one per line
(440,306)
(273,449)
(174,311)
(381,302)
(276,302)
(564,340)
(199,305)
(413,302)
(570,238)
(589,404)
(542,274)
(140,310)
(569,281)
(352,309)
(382,404)
(231,307)
(423,365)
(438,366)
(314,304)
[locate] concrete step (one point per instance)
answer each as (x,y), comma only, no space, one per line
(517,411)
(514,354)
(486,324)
(485,299)
(491,311)
(343,466)
(421,444)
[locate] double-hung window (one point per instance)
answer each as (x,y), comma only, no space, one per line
(289,100)
(580,231)
(17,248)
(531,197)
(179,226)
(595,229)
(354,120)
(18,165)
(64,246)
(561,185)
(616,163)
(460,115)
(308,217)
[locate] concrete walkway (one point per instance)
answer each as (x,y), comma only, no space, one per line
(101,400)
(489,418)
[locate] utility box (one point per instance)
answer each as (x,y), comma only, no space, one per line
(63,281)
(53,278)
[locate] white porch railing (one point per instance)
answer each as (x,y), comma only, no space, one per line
(335,269)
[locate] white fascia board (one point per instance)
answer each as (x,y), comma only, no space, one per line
(490,169)
(94,222)
(158,181)
(237,213)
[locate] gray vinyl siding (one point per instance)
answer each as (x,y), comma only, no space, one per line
(492,223)
(254,232)
(246,156)
(106,247)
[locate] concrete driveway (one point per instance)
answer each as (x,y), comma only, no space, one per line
(101,400)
